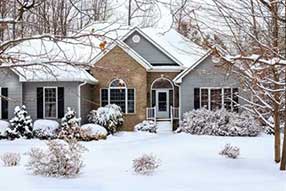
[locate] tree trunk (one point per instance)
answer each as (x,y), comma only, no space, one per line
(129,13)
(277,133)
(283,159)
(275,37)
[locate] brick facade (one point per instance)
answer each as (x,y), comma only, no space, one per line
(118,64)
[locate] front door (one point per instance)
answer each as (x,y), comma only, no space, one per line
(162,103)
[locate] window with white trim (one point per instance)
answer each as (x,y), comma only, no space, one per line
(118,93)
(50,102)
(216,98)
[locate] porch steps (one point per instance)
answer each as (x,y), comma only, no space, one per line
(164,127)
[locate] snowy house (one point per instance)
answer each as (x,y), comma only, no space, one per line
(151,74)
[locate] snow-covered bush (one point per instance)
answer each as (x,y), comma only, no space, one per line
(20,124)
(145,164)
(10,159)
(219,123)
(149,126)
(93,132)
(109,116)
(69,126)
(45,129)
(4,125)
(60,159)
(230,151)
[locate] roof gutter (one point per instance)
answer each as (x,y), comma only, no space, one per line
(79,98)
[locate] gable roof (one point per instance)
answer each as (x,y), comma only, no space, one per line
(179,78)
(176,47)
(153,42)
(181,49)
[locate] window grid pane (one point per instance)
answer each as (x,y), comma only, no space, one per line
(50,102)
(216,99)
(117,96)
(227,99)
(205,98)
(104,97)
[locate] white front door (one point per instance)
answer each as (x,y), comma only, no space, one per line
(162,103)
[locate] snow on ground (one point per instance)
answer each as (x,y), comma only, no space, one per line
(188,163)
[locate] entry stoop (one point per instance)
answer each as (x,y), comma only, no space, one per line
(164,127)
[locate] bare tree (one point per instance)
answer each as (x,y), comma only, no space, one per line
(251,34)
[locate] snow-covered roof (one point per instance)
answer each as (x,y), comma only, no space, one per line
(174,44)
(181,50)
(179,78)
(46,60)
(54,73)
(64,60)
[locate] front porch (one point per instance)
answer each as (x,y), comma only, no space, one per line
(163,102)
(152,114)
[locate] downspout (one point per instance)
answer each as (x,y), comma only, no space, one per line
(79,99)
(180,100)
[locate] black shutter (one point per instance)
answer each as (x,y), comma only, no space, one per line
(40,103)
(4,103)
(61,102)
(235,99)
(196,98)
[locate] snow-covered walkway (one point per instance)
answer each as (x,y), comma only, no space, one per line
(188,163)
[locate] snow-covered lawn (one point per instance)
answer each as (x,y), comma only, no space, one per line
(188,163)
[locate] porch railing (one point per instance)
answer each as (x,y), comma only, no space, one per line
(174,112)
(151,113)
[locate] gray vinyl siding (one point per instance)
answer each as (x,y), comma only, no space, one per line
(87,103)
(30,95)
(10,80)
(148,51)
(205,74)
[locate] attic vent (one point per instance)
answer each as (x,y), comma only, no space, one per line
(136,38)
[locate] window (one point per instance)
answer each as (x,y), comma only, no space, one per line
(119,94)
(205,98)
(216,98)
(227,99)
(50,102)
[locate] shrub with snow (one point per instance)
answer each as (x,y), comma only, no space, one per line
(45,129)
(60,159)
(93,131)
(219,123)
(10,159)
(70,126)
(4,125)
(230,151)
(109,116)
(149,126)
(21,124)
(145,164)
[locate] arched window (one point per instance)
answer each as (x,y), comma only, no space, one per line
(117,84)
(118,93)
